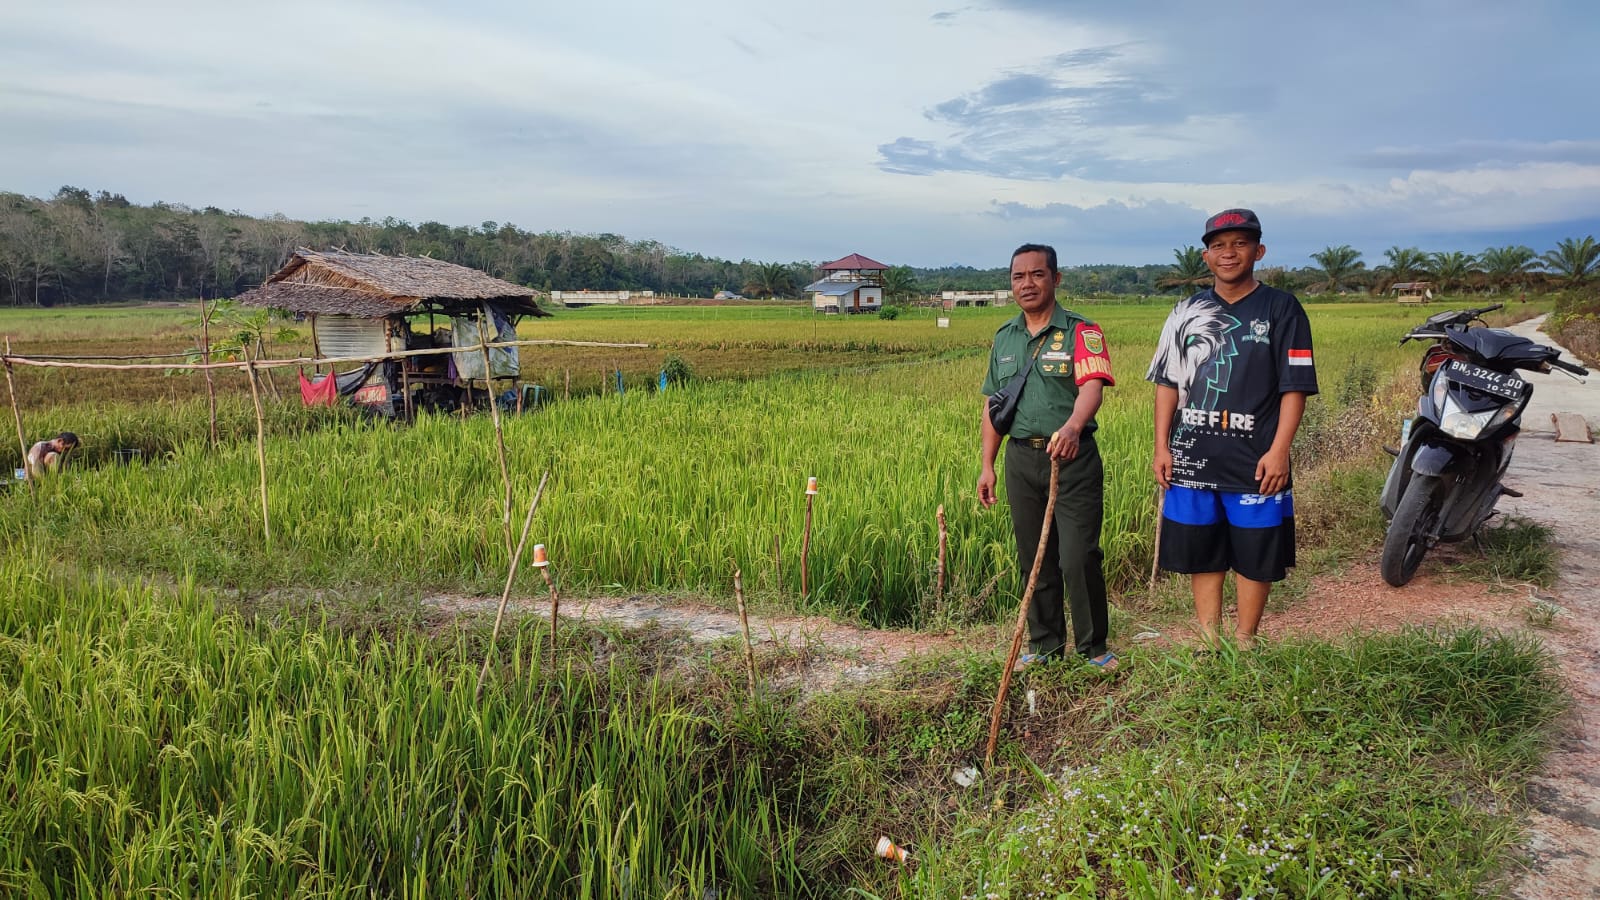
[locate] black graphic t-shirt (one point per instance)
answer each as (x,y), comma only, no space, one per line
(1230,364)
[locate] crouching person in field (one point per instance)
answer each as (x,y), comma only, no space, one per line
(48,455)
(1232,370)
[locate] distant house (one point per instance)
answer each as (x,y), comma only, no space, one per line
(850,285)
(363,305)
(953,299)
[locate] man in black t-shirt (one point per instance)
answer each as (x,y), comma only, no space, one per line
(1232,370)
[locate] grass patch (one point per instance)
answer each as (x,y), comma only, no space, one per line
(1512,551)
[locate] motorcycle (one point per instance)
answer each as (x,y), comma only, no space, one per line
(1447,473)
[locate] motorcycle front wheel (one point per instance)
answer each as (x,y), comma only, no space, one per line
(1410,531)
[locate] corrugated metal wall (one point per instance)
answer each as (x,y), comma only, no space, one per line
(350,336)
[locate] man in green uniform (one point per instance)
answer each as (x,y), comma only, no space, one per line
(1054,422)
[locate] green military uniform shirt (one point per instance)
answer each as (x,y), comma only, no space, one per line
(1070,351)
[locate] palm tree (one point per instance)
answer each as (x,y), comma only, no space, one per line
(770,280)
(1451,269)
(1573,261)
(1506,266)
(1405,263)
(898,283)
(1340,266)
(1190,271)
(1278,277)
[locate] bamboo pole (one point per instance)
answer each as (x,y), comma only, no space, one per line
(261,446)
(494,413)
(46,363)
(511,577)
(206,312)
(777,560)
(938,585)
(1022,616)
(16,413)
(744,626)
(566,391)
(1155,552)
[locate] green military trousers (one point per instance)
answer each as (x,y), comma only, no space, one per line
(1072,559)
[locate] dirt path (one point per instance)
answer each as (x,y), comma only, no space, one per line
(1560,483)
(816,653)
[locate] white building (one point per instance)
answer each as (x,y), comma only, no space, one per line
(850,285)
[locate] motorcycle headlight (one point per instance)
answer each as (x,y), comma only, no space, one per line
(1458,423)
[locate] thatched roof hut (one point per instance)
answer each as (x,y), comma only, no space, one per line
(371,285)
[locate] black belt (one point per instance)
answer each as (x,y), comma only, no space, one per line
(1042,443)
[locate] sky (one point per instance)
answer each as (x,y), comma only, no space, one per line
(921,134)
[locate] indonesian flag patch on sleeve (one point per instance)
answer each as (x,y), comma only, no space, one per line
(1090,358)
(1300,357)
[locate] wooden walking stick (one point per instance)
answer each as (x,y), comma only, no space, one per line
(261,444)
(16,412)
(1022,616)
(511,576)
(744,626)
(1155,552)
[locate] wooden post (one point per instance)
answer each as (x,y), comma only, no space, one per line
(805,547)
(206,312)
(494,412)
(16,412)
(511,576)
(938,585)
(744,625)
(1155,551)
(566,391)
(1022,616)
(261,445)
(261,350)
(555,605)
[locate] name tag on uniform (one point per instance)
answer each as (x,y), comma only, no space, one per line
(1007,359)
(1056,356)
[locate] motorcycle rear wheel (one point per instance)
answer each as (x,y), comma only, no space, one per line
(1409,537)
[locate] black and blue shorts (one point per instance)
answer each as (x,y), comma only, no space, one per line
(1214,531)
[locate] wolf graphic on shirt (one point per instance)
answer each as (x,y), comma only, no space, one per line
(1196,352)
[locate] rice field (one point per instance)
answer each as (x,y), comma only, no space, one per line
(159,737)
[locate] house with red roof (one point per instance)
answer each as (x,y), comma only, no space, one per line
(850,285)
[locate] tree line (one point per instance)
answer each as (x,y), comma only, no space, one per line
(1571,264)
(83,247)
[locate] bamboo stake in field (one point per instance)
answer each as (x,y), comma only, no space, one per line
(805,540)
(543,565)
(1022,616)
(777,560)
(206,312)
(744,626)
(1155,551)
(938,585)
(494,412)
(261,445)
(511,577)
(16,412)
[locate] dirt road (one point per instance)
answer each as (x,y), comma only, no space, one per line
(1560,482)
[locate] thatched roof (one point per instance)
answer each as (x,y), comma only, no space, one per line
(373,286)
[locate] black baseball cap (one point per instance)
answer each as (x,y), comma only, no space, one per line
(1231,220)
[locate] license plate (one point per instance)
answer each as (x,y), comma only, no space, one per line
(1500,384)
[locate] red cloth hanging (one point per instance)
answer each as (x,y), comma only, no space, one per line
(322,392)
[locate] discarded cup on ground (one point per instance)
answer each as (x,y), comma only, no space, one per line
(891,851)
(540,560)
